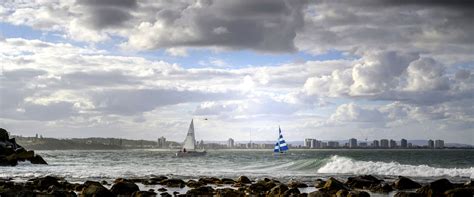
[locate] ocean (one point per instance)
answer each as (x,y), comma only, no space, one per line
(304,165)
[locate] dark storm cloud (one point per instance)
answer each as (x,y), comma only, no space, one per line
(102,14)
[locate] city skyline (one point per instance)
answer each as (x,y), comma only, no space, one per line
(139,69)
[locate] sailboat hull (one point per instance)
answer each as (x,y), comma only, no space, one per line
(191,153)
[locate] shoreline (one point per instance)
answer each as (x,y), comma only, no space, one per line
(362,185)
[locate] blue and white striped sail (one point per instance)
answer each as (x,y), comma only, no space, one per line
(280,145)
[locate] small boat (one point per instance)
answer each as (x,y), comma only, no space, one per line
(189,145)
(280,146)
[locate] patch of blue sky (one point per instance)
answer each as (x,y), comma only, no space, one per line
(27,32)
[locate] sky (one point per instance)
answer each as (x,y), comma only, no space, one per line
(330,70)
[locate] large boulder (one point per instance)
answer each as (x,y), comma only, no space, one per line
(459,192)
(95,189)
(45,182)
(210,180)
(144,194)
(381,188)
(319,194)
(124,188)
(278,190)
(362,182)
(229,192)
(358,194)
(3,135)
(11,152)
(201,191)
(333,185)
(403,183)
(436,188)
(243,180)
(297,184)
(173,183)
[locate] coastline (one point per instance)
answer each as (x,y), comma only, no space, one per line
(362,185)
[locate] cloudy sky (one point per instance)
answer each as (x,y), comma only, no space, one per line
(142,69)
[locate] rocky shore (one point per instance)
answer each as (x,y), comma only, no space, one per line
(360,186)
(11,153)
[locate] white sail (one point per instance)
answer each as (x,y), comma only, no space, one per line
(189,142)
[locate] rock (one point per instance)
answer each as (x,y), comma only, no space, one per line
(3,135)
(11,152)
(333,185)
(319,183)
(362,182)
(45,182)
(261,187)
(244,180)
(104,182)
(124,188)
(227,181)
(435,188)
(60,193)
(470,183)
(38,160)
(194,184)
(144,194)
(162,189)
(165,194)
(229,192)
(210,180)
(24,155)
(156,180)
(358,194)
(92,189)
(173,183)
(407,194)
(403,183)
(459,192)
(278,190)
(292,192)
(318,194)
(297,184)
(201,191)
(381,188)
(342,193)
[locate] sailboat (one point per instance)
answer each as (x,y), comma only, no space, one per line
(280,146)
(189,145)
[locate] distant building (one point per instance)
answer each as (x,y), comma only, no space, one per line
(410,145)
(393,144)
(307,142)
(430,144)
(230,143)
(375,144)
(333,144)
(352,143)
(439,144)
(162,142)
(384,143)
(403,143)
(324,144)
(363,144)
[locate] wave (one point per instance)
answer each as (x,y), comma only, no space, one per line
(343,165)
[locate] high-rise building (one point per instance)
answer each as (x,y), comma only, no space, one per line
(403,143)
(161,142)
(333,144)
(439,144)
(352,143)
(375,144)
(307,142)
(324,144)
(393,144)
(363,144)
(410,145)
(317,144)
(384,143)
(230,143)
(430,144)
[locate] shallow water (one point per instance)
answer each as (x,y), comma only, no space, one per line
(305,165)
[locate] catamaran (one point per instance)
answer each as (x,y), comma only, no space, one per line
(280,146)
(189,145)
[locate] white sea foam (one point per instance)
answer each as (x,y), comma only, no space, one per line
(344,165)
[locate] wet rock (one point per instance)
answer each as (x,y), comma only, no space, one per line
(227,181)
(333,185)
(11,152)
(45,182)
(201,191)
(38,160)
(319,183)
(435,188)
(291,192)
(165,194)
(104,182)
(210,180)
(362,182)
(278,190)
(297,184)
(156,180)
(173,183)
(470,183)
(381,188)
(58,193)
(358,194)
(162,189)
(124,188)
(403,183)
(194,184)
(229,192)
(92,189)
(459,192)
(144,194)
(244,180)
(318,194)
(342,193)
(260,188)
(407,194)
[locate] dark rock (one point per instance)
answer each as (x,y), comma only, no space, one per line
(38,160)
(319,183)
(459,192)
(11,152)
(227,181)
(162,189)
(362,182)
(210,180)
(104,182)
(173,183)
(436,188)
(194,184)
(244,180)
(407,194)
(292,192)
(144,194)
(333,185)
(156,180)
(381,188)
(319,194)
(124,188)
(470,183)
(165,194)
(278,190)
(342,193)
(59,193)
(297,184)
(358,194)
(201,191)
(229,192)
(45,182)
(261,187)
(24,155)
(403,183)
(92,189)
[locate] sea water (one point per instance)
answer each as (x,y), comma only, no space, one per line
(304,165)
